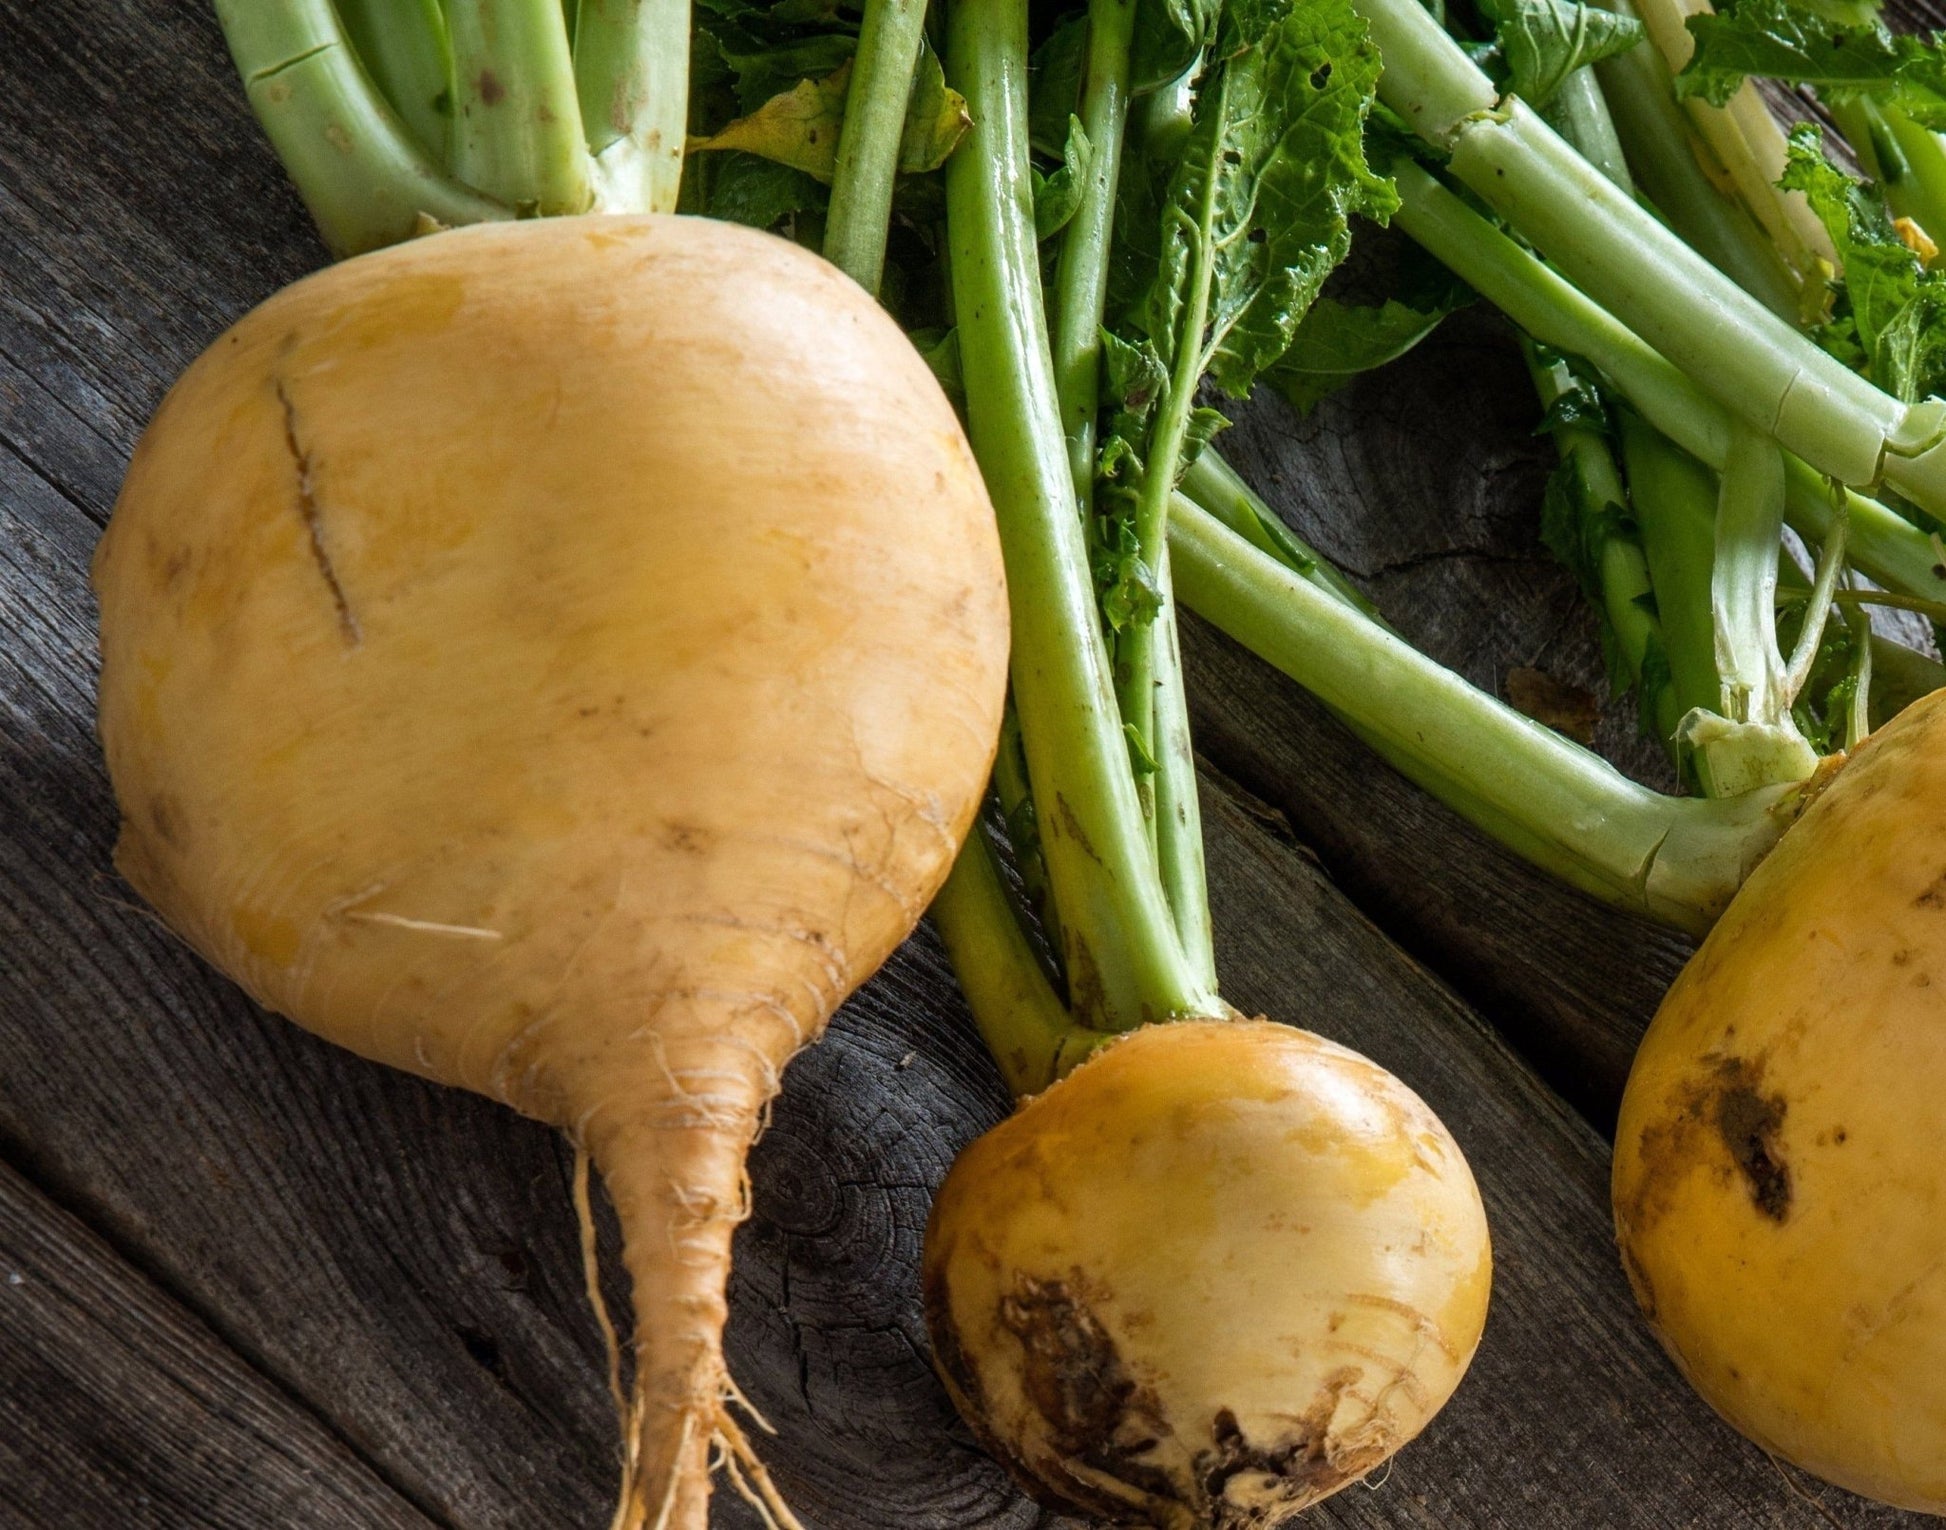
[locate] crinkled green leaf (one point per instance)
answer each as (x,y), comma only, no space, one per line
(1336,341)
(1578,407)
(1134,374)
(1203,427)
(1117,460)
(1890,318)
(1855,56)
(1170,35)
(1247,222)
(1273,171)
(760,192)
(1544,41)
(1054,77)
(766,68)
(1125,584)
(1057,196)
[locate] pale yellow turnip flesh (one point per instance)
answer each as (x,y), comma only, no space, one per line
(561,659)
(1780,1183)
(1218,1272)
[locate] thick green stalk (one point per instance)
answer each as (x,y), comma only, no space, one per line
(364,179)
(1749,739)
(1124,961)
(517,125)
(1858,717)
(1923,190)
(1882,158)
(1255,522)
(403,46)
(1135,663)
(1620,565)
(1655,136)
(1169,798)
(1580,115)
(868,144)
(1743,584)
(1755,365)
(1081,280)
(1883,545)
(1178,812)
(1020,1018)
(1673,497)
(1744,144)
(1676,859)
(1217,490)
(631,77)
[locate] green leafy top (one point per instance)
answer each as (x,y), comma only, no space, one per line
(1267,183)
(1843,56)
(1170,35)
(1389,296)
(1226,246)
(1542,42)
(1889,320)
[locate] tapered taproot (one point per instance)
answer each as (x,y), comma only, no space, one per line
(561,660)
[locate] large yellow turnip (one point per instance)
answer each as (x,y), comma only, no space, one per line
(562,660)
(1780,1183)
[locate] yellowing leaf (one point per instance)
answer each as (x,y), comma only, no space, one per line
(799,127)
(936,119)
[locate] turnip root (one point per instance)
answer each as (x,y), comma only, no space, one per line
(1780,1190)
(562,659)
(1216,1273)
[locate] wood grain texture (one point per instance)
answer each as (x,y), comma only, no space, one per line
(361,1295)
(125,1411)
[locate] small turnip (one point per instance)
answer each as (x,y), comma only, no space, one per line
(1219,1271)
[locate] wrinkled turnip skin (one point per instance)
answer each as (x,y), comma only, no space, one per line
(1218,1272)
(1780,1178)
(562,659)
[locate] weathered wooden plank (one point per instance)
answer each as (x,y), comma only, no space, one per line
(120,1409)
